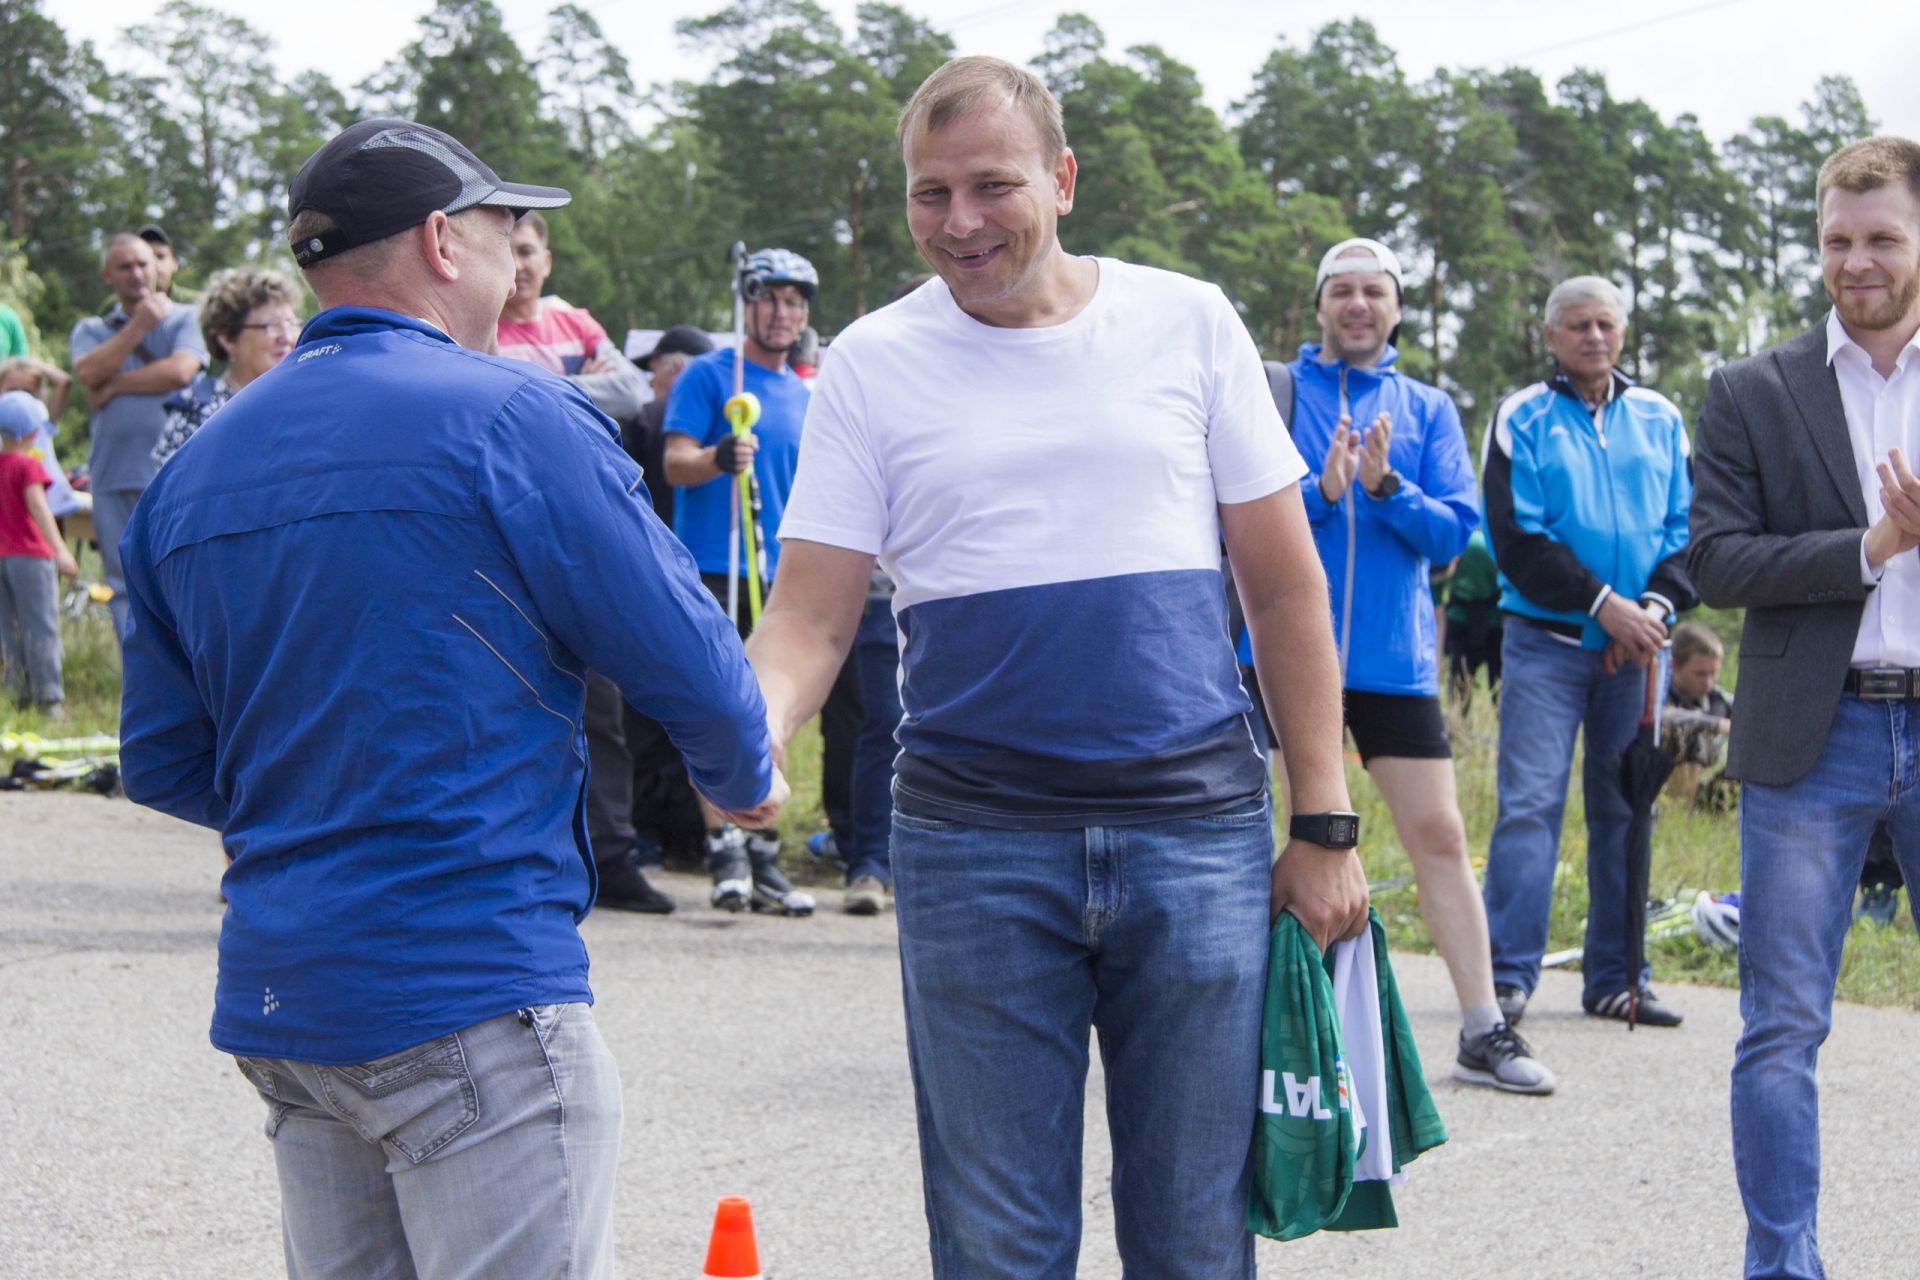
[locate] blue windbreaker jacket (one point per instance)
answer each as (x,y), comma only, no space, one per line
(1577,503)
(363,599)
(1390,646)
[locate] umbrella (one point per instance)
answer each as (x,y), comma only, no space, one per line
(1643,771)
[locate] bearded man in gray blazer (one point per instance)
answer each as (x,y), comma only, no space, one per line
(1806,512)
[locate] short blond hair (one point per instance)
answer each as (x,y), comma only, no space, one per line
(1868,165)
(965,85)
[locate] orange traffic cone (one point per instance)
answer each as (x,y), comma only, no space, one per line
(732,1254)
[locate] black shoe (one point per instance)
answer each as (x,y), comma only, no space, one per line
(1652,1013)
(624,887)
(1513,1003)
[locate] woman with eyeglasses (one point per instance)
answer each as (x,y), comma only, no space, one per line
(249,320)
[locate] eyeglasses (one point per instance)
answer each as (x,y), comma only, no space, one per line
(275,326)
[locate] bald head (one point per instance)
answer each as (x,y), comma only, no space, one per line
(127,265)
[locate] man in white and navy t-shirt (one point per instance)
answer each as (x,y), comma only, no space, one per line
(1044,452)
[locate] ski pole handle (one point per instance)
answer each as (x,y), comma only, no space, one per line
(742,411)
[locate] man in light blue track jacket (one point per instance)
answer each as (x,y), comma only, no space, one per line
(1587,486)
(1394,495)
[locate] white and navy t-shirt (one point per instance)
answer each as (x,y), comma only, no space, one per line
(1045,501)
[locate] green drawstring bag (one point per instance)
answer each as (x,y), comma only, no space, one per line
(1304,1143)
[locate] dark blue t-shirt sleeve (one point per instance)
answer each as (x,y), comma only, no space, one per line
(615,586)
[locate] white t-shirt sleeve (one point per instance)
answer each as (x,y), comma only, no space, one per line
(1248,447)
(839,496)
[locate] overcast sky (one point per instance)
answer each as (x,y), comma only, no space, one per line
(1725,61)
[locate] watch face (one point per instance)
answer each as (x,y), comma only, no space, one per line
(1343,829)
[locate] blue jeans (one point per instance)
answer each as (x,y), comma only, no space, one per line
(1013,946)
(489,1152)
(876,654)
(1801,849)
(1549,691)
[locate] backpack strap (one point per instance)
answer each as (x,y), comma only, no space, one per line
(1280,383)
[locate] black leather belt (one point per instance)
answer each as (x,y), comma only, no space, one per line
(1882,684)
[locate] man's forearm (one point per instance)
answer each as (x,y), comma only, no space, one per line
(687,463)
(96,368)
(796,659)
(803,638)
(158,378)
(615,388)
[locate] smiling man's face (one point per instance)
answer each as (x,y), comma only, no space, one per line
(1870,255)
(983,205)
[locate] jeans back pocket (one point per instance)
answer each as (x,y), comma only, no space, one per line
(415,1101)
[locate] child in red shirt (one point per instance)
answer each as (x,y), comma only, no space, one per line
(31,553)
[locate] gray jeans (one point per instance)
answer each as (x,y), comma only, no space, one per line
(112,508)
(395,1168)
(30,629)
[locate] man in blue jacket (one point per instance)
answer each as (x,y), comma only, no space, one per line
(1587,488)
(364,600)
(1389,500)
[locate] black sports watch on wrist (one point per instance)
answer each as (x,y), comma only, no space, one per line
(1335,830)
(1389,485)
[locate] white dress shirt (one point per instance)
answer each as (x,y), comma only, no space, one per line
(1882,414)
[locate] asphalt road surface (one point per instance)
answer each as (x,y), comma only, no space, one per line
(766,1058)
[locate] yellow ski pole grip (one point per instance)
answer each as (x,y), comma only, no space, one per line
(742,411)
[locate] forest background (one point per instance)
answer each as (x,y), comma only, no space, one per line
(1491,184)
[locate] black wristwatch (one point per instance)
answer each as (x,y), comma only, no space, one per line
(1389,485)
(1334,830)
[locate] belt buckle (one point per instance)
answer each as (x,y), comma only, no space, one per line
(1884,683)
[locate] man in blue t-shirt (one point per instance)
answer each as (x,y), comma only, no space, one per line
(703,455)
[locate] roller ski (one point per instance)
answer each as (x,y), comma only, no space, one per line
(772,891)
(733,875)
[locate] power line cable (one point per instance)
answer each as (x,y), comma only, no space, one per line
(1642,25)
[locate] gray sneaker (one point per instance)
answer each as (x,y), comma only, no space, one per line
(866,896)
(1500,1058)
(1513,1003)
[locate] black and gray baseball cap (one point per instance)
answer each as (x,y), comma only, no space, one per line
(379,177)
(681,339)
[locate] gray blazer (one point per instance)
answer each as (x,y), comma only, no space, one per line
(1776,525)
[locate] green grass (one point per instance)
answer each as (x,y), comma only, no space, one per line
(90,672)
(1691,851)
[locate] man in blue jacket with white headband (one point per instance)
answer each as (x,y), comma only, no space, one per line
(364,600)
(1392,493)
(1587,487)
